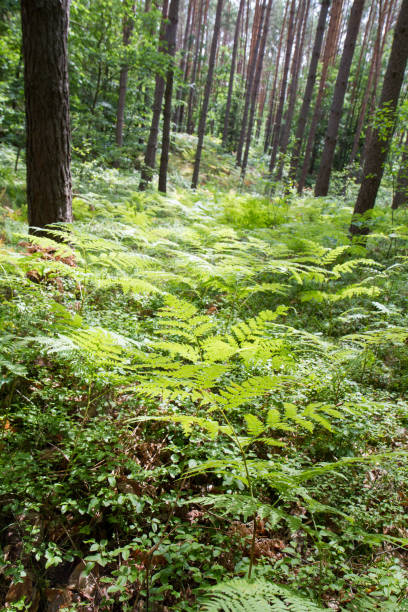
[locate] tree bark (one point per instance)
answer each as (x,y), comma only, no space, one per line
(323,178)
(207,91)
(279,112)
(192,91)
(381,137)
(48,152)
(232,74)
(151,147)
(255,88)
(311,80)
(328,58)
(171,38)
(128,24)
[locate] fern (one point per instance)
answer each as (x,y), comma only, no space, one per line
(240,595)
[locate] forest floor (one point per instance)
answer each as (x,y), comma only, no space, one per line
(199,389)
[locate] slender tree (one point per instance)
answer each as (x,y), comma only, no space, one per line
(128,24)
(381,137)
(323,178)
(232,74)
(328,58)
(151,147)
(207,91)
(401,189)
(310,83)
(171,39)
(48,155)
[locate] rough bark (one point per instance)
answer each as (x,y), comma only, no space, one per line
(207,91)
(310,83)
(326,163)
(171,38)
(48,154)
(381,137)
(232,74)
(151,147)
(192,91)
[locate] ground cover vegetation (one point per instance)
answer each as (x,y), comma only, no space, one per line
(203,388)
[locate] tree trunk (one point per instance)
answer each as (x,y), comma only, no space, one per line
(151,147)
(255,42)
(255,88)
(232,74)
(323,178)
(48,153)
(192,91)
(381,137)
(311,80)
(328,57)
(293,86)
(269,120)
(183,64)
(279,112)
(171,38)
(401,190)
(128,24)
(207,91)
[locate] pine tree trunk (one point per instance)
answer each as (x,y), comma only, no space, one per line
(293,86)
(193,83)
(328,57)
(225,131)
(311,80)
(128,24)
(207,91)
(255,88)
(48,153)
(183,64)
(255,42)
(381,138)
(171,38)
(269,120)
(326,162)
(151,147)
(282,96)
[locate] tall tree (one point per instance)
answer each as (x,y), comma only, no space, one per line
(171,39)
(151,147)
(381,137)
(128,24)
(310,83)
(328,59)
(207,91)
(48,154)
(401,188)
(326,162)
(232,74)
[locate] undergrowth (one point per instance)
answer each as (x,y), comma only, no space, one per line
(203,400)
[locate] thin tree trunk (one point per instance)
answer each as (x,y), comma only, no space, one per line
(232,74)
(128,24)
(151,147)
(183,63)
(279,112)
(48,152)
(293,87)
(255,88)
(255,42)
(381,138)
(323,178)
(269,121)
(207,91)
(171,39)
(311,80)
(329,54)
(193,85)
